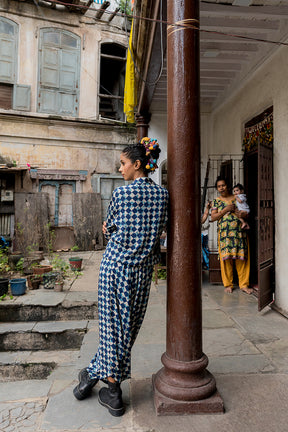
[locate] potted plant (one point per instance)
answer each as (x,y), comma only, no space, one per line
(49,279)
(41,269)
(75,262)
(34,281)
(59,283)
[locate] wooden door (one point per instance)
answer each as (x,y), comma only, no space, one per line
(266,264)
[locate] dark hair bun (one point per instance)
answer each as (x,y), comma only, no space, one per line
(146,151)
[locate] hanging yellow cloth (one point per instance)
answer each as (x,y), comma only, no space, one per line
(129,90)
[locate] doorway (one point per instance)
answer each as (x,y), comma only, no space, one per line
(258,175)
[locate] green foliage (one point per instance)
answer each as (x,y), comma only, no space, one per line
(19,265)
(74,248)
(4,266)
(4,296)
(125,6)
(24,241)
(162,275)
(60,265)
(48,238)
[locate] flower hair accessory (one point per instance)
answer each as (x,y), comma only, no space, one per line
(150,145)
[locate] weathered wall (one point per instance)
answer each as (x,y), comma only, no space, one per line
(57,144)
(31,19)
(265,88)
(40,139)
(50,142)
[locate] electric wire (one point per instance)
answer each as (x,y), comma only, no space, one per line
(141,18)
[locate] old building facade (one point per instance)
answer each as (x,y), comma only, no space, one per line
(62,125)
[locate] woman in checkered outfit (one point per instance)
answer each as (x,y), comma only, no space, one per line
(136,217)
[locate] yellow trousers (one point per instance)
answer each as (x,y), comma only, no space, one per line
(242,267)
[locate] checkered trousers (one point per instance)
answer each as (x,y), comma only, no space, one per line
(123,293)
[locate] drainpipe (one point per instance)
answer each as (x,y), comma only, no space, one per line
(184,385)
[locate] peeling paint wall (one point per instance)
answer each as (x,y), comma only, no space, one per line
(52,142)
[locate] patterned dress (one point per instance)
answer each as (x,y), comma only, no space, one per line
(136,217)
(232,239)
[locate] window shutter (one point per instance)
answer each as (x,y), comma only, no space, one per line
(7,60)
(67,104)
(49,69)
(21,97)
(59,72)
(48,101)
(69,70)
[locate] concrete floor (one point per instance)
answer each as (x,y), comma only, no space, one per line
(247,351)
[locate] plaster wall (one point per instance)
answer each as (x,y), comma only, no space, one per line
(54,142)
(30,20)
(158,130)
(268,86)
(55,145)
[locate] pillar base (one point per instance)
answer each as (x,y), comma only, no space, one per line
(166,406)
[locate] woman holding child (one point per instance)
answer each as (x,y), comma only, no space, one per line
(232,239)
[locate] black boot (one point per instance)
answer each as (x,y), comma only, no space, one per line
(111,398)
(84,388)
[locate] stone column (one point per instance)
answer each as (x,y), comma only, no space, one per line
(184,385)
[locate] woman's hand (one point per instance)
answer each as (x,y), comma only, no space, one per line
(218,214)
(241,214)
(229,208)
(104,229)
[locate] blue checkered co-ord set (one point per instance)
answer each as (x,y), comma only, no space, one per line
(136,217)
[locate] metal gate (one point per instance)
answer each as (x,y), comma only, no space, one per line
(266,225)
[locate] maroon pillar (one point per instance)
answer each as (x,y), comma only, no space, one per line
(184,385)
(142,124)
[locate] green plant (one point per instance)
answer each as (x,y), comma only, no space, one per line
(23,239)
(48,237)
(162,274)
(60,265)
(74,248)
(125,7)
(4,266)
(3,297)
(19,265)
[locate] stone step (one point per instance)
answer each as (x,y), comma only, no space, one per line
(34,365)
(36,312)
(48,335)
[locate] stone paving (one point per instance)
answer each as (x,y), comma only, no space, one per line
(247,350)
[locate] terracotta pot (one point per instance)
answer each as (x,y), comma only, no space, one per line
(58,286)
(42,269)
(34,282)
